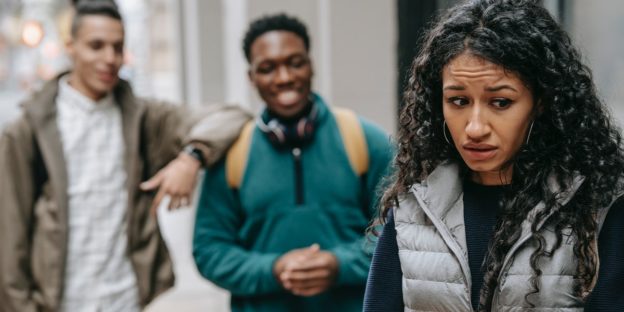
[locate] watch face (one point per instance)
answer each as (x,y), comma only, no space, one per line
(195,153)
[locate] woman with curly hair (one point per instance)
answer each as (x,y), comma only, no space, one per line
(508,174)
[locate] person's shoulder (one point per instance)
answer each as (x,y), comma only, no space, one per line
(156,110)
(617,209)
(617,200)
(17,137)
(41,101)
(378,141)
(374,133)
(126,95)
(610,237)
(371,127)
(18,129)
(154,104)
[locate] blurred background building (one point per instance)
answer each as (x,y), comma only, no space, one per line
(189,52)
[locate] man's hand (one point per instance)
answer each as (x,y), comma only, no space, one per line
(307,272)
(177,180)
(293,256)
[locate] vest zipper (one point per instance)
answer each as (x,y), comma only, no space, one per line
(451,243)
(298,175)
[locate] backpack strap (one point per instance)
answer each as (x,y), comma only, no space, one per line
(350,130)
(353,139)
(236,159)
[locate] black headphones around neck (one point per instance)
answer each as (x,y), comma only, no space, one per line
(291,134)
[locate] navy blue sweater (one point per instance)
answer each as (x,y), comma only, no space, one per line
(383,290)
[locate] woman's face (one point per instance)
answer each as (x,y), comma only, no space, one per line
(488,112)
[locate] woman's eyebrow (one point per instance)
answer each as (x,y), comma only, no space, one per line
(501,87)
(454,87)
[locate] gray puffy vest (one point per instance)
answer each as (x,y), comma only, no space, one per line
(434,259)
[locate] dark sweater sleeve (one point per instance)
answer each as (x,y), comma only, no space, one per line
(608,295)
(383,289)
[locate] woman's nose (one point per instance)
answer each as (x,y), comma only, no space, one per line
(477,127)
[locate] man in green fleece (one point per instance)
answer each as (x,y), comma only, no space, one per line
(282,227)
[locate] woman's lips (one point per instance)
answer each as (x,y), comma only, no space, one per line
(480,151)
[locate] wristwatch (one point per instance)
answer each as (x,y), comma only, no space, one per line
(196,153)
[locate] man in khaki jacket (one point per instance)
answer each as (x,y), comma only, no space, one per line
(76,219)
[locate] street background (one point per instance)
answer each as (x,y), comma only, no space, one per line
(189,52)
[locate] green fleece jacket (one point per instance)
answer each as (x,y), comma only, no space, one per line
(240,234)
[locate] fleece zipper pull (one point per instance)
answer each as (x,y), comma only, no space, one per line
(296,152)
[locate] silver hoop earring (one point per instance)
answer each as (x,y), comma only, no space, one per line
(529,135)
(444,132)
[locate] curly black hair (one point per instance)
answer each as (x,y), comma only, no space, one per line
(268,23)
(93,7)
(572,135)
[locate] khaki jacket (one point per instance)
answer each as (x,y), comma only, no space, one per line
(34,200)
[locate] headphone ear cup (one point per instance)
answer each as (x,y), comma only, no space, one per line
(305,129)
(301,125)
(276,133)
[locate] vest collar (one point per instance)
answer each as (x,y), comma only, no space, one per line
(443,187)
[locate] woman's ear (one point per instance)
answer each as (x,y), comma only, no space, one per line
(539,108)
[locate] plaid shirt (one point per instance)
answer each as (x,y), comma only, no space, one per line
(98,274)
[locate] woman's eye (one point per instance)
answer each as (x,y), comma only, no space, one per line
(458,101)
(501,103)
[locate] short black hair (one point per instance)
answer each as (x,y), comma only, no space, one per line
(93,7)
(268,23)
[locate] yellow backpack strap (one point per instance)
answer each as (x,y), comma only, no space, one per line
(236,159)
(353,139)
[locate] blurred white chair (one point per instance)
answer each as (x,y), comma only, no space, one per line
(191,292)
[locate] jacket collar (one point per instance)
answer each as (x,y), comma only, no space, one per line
(41,107)
(40,111)
(443,188)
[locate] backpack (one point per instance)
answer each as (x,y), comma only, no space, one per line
(350,130)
